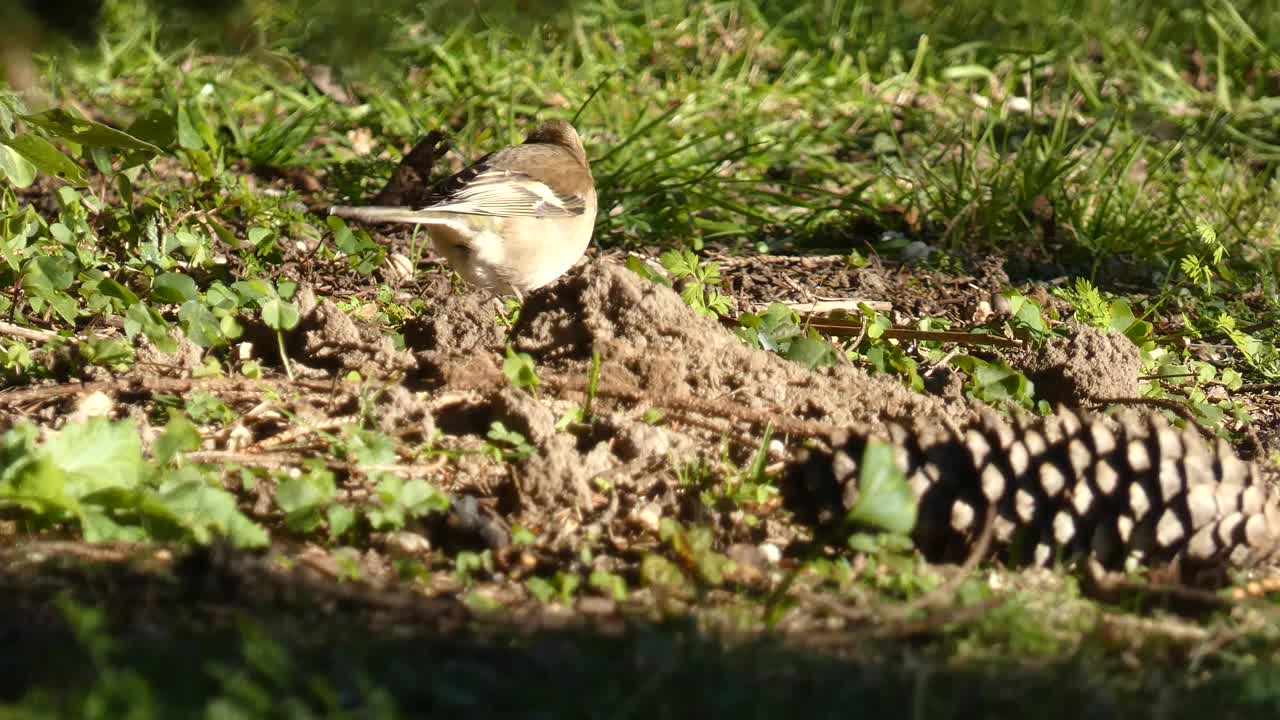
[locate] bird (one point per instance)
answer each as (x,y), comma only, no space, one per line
(515,220)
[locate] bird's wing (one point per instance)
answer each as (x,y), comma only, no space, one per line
(513,183)
(509,193)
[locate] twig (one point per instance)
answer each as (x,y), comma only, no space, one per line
(151,384)
(8,328)
(1259,387)
(291,434)
(1171,405)
(823,307)
(283,460)
(849,328)
(942,361)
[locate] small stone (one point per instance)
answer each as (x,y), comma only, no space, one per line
(772,554)
(647,517)
(405,544)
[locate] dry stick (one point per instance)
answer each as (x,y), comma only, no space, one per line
(822,307)
(158,385)
(283,460)
(1258,387)
(292,434)
(18,331)
(1171,405)
(942,361)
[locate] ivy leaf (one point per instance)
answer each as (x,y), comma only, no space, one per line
(885,499)
(810,352)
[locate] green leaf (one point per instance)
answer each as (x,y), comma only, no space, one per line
(158,128)
(188,137)
(608,584)
(641,268)
(179,436)
(174,287)
(36,482)
(124,186)
(253,289)
(885,499)
(99,527)
(657,571)
(86,132)
(680,263)
(204,508)
(258,235)
(200,324)
(279,315)
(519,369)
(113,289)
(17,169)
(57,270)
(369,447)
(46,158)
(97,454)
(420,497)
(141,319)
(107,352)
(541,589)
(811,352)
(341,518)
(303,498)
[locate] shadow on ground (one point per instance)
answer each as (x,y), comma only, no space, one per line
(221,636)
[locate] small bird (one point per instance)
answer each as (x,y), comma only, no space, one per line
(514,221)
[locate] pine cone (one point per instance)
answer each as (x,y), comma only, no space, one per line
(1118,493)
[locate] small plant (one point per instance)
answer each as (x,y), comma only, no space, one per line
(521,371)
(581,414)
(694,550)
(1027,319)
(1117,315)
(507,444)
(560,588)
(94,475)
(701,280)
(778,329)
(1201,269)
(397,500)
(608,584)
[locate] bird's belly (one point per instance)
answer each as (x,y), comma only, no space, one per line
(473,254)
(509,255)
(541,258)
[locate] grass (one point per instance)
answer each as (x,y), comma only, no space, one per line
(1127,155)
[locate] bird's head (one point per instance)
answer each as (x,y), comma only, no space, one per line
(558,132)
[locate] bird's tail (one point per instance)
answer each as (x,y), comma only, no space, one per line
(386,213)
